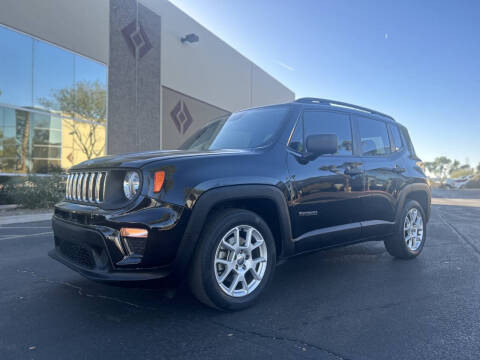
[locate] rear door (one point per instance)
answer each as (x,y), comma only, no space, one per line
(384,168)
(326,205)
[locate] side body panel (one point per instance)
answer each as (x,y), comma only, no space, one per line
(326,207)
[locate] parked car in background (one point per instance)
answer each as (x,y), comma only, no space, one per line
(458,183)
(242,194)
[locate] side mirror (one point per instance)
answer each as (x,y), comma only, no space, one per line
(322,144)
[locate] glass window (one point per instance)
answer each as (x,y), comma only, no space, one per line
(373,137)
(326,122)
(9,117)
(243,130)
(53,74)
(90,90)
(203,135)
(397,138)
(52,105)
(15,68)
(46,152)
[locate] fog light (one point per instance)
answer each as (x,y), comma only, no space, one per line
(134,240)
(134,232)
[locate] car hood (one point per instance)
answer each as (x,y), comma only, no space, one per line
(136,160)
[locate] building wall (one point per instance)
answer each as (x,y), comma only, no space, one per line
(183,115)
(209,76)
(211,70)
(80,26)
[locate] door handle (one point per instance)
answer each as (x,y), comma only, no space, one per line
(398,170)
(353,171)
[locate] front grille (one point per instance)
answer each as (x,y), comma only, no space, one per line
(86,187)
(77,254)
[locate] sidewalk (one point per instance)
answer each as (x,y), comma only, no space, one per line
(6,218)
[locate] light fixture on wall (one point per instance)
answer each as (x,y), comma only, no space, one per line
(191,38)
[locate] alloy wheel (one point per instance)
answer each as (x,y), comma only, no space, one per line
(413,229)
(240,261)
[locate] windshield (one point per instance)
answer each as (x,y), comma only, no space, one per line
(243,130)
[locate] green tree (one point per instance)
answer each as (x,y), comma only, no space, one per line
(85,102)
(430,166)
(462,170)
(454,166)
(440,167)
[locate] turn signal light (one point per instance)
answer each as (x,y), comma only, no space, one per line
(159,178)
(134,232)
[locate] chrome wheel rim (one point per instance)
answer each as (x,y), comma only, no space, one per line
(240,261)
(413,229)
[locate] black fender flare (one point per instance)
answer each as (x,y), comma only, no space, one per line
(408,189)
(212,197)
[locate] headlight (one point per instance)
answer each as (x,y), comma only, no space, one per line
(131,183)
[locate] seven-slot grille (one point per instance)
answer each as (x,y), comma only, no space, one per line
(88,187)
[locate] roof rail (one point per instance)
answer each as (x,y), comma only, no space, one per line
(311,100)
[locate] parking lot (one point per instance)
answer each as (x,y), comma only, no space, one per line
(350,303)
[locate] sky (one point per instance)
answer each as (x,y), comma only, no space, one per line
(418,61)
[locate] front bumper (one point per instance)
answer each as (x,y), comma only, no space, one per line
(96,252)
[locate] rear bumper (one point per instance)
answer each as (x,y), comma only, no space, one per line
(93,251)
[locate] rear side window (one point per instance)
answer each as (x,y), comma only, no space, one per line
(396,137)
(374,139)
(325,122)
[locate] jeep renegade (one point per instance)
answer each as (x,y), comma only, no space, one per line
(241,194)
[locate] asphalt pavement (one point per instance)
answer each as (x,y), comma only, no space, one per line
(351,303)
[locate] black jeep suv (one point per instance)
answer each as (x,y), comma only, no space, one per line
(242,194)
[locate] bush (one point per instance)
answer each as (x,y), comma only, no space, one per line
(474,183)
(33,191)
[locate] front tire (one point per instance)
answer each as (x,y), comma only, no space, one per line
(409,238)
(234,261)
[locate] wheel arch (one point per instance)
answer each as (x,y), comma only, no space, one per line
(419,192)
(267,201)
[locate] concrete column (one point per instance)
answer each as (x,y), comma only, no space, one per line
(133,78)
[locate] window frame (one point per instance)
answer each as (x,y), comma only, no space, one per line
(301,122)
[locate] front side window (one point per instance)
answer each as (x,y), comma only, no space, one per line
(325,122)
(374,139)
(247,129)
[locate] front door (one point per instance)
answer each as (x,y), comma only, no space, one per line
(326,206)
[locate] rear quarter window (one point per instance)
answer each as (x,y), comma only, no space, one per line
(396,138)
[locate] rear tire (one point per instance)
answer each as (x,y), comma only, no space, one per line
(409,238)
(234,260)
